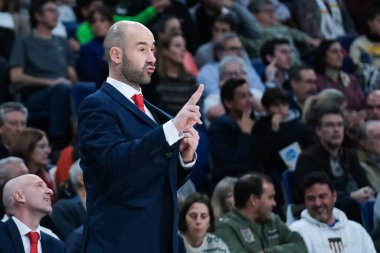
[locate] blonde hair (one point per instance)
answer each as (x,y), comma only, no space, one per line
(221,190)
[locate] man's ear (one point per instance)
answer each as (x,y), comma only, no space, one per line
(19,196)
(116,55)
(253,200)
(227,104)
(269,58)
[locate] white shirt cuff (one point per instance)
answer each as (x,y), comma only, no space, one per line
(171,133)
(187,165)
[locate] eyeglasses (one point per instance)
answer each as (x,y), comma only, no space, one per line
(237,73)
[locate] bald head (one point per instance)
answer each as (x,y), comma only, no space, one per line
(373,105)
(12,186)
(119,33)
(27,193)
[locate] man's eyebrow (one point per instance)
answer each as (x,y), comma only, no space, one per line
(144,43)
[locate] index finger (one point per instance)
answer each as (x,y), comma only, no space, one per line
(273,62)
(196,96)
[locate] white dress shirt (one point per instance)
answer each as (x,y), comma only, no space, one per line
(172,135)
(24,230)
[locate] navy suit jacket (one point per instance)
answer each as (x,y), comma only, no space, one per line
(131,175)
(11,242)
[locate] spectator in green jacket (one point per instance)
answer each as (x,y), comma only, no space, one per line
(251,226)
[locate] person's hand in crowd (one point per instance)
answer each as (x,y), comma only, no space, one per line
(271,71)
(313,42)
(74,45)
(161,5)
(188,145)
(363,194)
(245,123)
(276,121)
(189,115)
(215,111)
(59,80)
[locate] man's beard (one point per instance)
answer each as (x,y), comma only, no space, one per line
(133,75)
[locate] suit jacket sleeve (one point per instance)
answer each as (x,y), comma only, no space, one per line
(115,147)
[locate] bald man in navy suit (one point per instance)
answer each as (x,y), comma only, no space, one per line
(27,200)
(134,156)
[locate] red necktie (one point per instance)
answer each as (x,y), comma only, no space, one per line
(139,101)
(33,238)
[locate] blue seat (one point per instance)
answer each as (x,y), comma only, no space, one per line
(367,213)
(287,182)
(346,41)
(81,90)
(71,28)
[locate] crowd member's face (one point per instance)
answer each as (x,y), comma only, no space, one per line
(320,201)
(198,221)
(241,100)
(264,205)
(14,124)
(233,46)
(100,25)
(37,195)
(49,15)
(374,25)
(331,130)
(173,24)
(233,70)
(279,109)
(220,28)
(41,152)
(266,15)
(306,86)
(373,106)
(138,59)
(176,51)
(334,56)
(283,56)
(374,138)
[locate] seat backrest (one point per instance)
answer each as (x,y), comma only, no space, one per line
(367,213)
(287,182)
(80,91)
(259,66)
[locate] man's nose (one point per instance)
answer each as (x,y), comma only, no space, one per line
(151,58)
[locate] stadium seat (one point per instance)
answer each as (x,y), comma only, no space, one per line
(367,214)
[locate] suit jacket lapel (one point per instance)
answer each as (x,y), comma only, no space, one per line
(116,95)
(159,115)
(15,236)
(46,243)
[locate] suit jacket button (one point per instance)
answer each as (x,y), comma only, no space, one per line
(168,155)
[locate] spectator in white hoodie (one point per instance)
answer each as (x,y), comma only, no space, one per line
(325,228)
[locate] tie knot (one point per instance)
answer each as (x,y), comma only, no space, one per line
(33,237)
(139,101)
